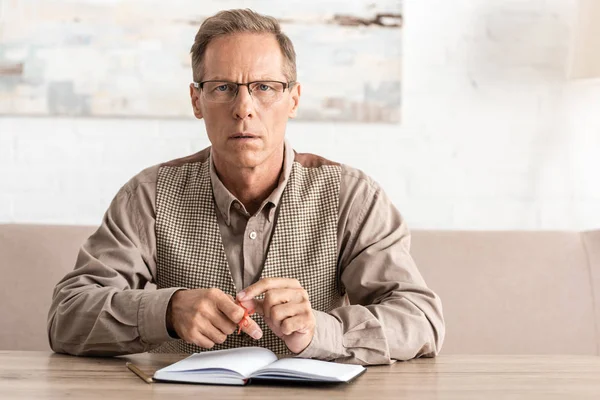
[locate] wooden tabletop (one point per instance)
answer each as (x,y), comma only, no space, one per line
(41,375)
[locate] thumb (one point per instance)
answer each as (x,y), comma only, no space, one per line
(253,304)
(251,328)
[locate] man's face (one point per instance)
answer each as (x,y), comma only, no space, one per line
(245,133)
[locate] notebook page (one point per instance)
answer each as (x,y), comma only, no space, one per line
(243,360)
(311,369)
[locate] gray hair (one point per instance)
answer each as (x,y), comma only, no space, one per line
(241,21)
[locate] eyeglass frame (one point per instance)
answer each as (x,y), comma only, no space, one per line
(199,86)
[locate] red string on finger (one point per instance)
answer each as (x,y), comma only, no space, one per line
(244,322)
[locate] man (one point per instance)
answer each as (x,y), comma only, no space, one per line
(315,247)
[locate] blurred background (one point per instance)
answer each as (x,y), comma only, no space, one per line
(472,114)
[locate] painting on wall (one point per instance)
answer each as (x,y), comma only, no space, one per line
(130,58)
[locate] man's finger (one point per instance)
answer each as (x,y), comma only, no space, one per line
(281,312)
(282,296)
(251,328)
(273,328)
(224,324)
(212,333)
(253,304)
(199,339)
(298,324)
(265,284)
(231,310)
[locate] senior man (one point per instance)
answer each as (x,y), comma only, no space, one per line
(315,247)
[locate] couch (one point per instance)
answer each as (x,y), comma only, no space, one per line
(517,292)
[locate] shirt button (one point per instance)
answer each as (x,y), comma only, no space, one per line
(252,235)
(236,206)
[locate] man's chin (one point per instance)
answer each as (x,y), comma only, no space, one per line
(246,156)
(246,159)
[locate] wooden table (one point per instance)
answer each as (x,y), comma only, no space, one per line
(41,375)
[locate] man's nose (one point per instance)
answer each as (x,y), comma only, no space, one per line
(243,106)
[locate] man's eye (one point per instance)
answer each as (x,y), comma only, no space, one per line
(222,88)
(264,87)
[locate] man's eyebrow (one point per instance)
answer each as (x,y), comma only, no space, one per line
(218,78)
(266,78)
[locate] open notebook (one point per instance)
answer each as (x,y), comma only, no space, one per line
(238,366)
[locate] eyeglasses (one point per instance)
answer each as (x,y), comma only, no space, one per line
(265,92)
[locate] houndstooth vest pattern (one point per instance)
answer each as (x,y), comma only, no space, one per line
(190,251)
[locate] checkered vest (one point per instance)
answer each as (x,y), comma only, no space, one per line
(190,251)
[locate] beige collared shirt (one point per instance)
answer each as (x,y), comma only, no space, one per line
(102,308)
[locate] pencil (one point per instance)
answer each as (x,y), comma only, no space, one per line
(133,368)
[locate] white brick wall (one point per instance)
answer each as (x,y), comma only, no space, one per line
(493,136)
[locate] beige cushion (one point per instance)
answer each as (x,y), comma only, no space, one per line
(591,242)
(512,292)
(32,260)
(503,292)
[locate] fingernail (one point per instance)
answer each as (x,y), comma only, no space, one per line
(241,295)
(256,334)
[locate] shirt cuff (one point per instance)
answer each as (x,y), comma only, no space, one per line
(327,342)
(152,315)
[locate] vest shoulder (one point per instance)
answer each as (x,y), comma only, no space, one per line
(149,176)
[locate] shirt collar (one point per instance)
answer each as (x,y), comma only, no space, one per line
(224,200)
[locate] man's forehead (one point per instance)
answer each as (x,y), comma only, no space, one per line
(243,53)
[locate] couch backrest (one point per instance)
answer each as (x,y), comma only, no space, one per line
(503,292)
(32,260)
(591,241)
(514,292)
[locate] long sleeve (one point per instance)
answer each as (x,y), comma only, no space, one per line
(392,314)
(101,307)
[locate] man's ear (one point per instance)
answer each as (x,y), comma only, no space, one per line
(195,97)
(295,93)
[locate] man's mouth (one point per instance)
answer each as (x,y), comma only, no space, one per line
(243,136)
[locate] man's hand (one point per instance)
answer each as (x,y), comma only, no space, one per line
(286,309)
(205,317)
